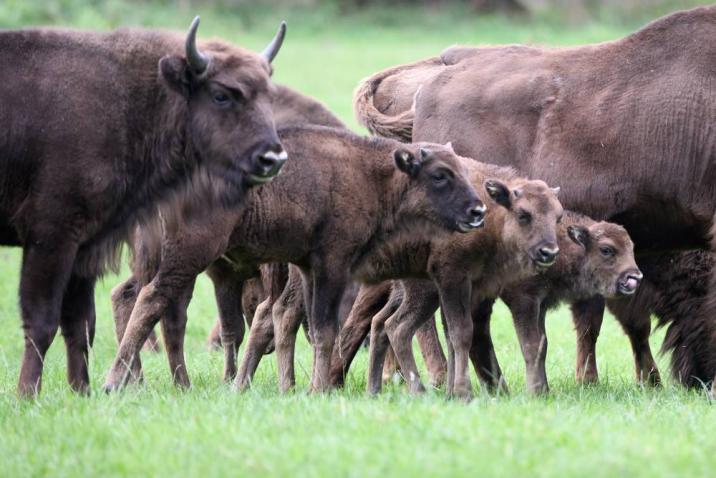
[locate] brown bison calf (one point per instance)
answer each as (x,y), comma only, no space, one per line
(528,225)
(675,290)
(596,258)
(519,240)
(338,198)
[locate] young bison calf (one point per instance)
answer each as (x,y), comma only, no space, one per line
(429,257)
(596,258)
(338,198)
(675,290)
(519,240)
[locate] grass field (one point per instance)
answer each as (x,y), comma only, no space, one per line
(615,428)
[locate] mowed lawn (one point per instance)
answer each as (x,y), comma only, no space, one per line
(615,428)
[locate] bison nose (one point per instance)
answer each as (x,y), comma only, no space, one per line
(477,213)
(475,218)
(546,255)
(267,164)
(631,281)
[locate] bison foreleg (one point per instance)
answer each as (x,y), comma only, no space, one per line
(44,277)
(77,323)
(587,316)
(419,303)
(528,316)
(482,351)
(260,335)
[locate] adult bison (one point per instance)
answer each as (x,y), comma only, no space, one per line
(97,127)
(627,128)
(290,108)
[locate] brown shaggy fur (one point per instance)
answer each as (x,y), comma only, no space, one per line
(318,215)
(675,293)
(624,127)
(507,247)
(96,128)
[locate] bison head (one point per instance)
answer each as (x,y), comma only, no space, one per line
(530,223)
(440,188)
(228,96)
(609,263)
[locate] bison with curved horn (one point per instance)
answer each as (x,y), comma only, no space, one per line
(99,128)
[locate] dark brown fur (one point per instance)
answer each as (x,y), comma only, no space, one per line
(624,127)
(96,128)
(596,258)
(675,293)
(505,248)
(339,198)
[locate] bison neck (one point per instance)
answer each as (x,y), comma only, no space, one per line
(159,162)
(399,244)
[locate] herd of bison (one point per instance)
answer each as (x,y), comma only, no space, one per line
(584,175)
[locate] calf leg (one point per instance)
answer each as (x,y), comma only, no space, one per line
(433,355)
(213,340)
(168,294)
(379,341)
(260,335)
(370,300)
(173,330)
(482,350)
(391,368)
(455,300)
(327,291)
(418,306)
(587,316)
(44,277)
(124,296)
(528,316)
(227,291)
(638,329)
(77,323)
(288,315)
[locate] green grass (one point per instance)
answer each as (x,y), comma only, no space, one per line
(614,428)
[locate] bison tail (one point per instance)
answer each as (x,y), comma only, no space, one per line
(399,126)
(691,339)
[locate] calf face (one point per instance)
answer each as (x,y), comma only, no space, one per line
(609,258)
(228,92)
(530,223)
(440,190)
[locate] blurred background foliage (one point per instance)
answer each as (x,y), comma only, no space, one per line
(112,13)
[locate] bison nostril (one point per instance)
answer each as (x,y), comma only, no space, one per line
(547,254)
(477,212)
(270,161)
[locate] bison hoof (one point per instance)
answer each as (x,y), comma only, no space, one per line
(110,387)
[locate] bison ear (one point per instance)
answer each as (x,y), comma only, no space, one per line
(175,71)
(579,234)
(407,162)
(498,192)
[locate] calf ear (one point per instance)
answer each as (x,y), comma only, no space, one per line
(579,234)
(498,192)
(407,162)
(175,71)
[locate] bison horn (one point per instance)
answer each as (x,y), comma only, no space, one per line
(272,49)
(556,190)
(198,61)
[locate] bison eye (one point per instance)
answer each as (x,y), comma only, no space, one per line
(524,217)
(221,98)
(607,251)
(440,178)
